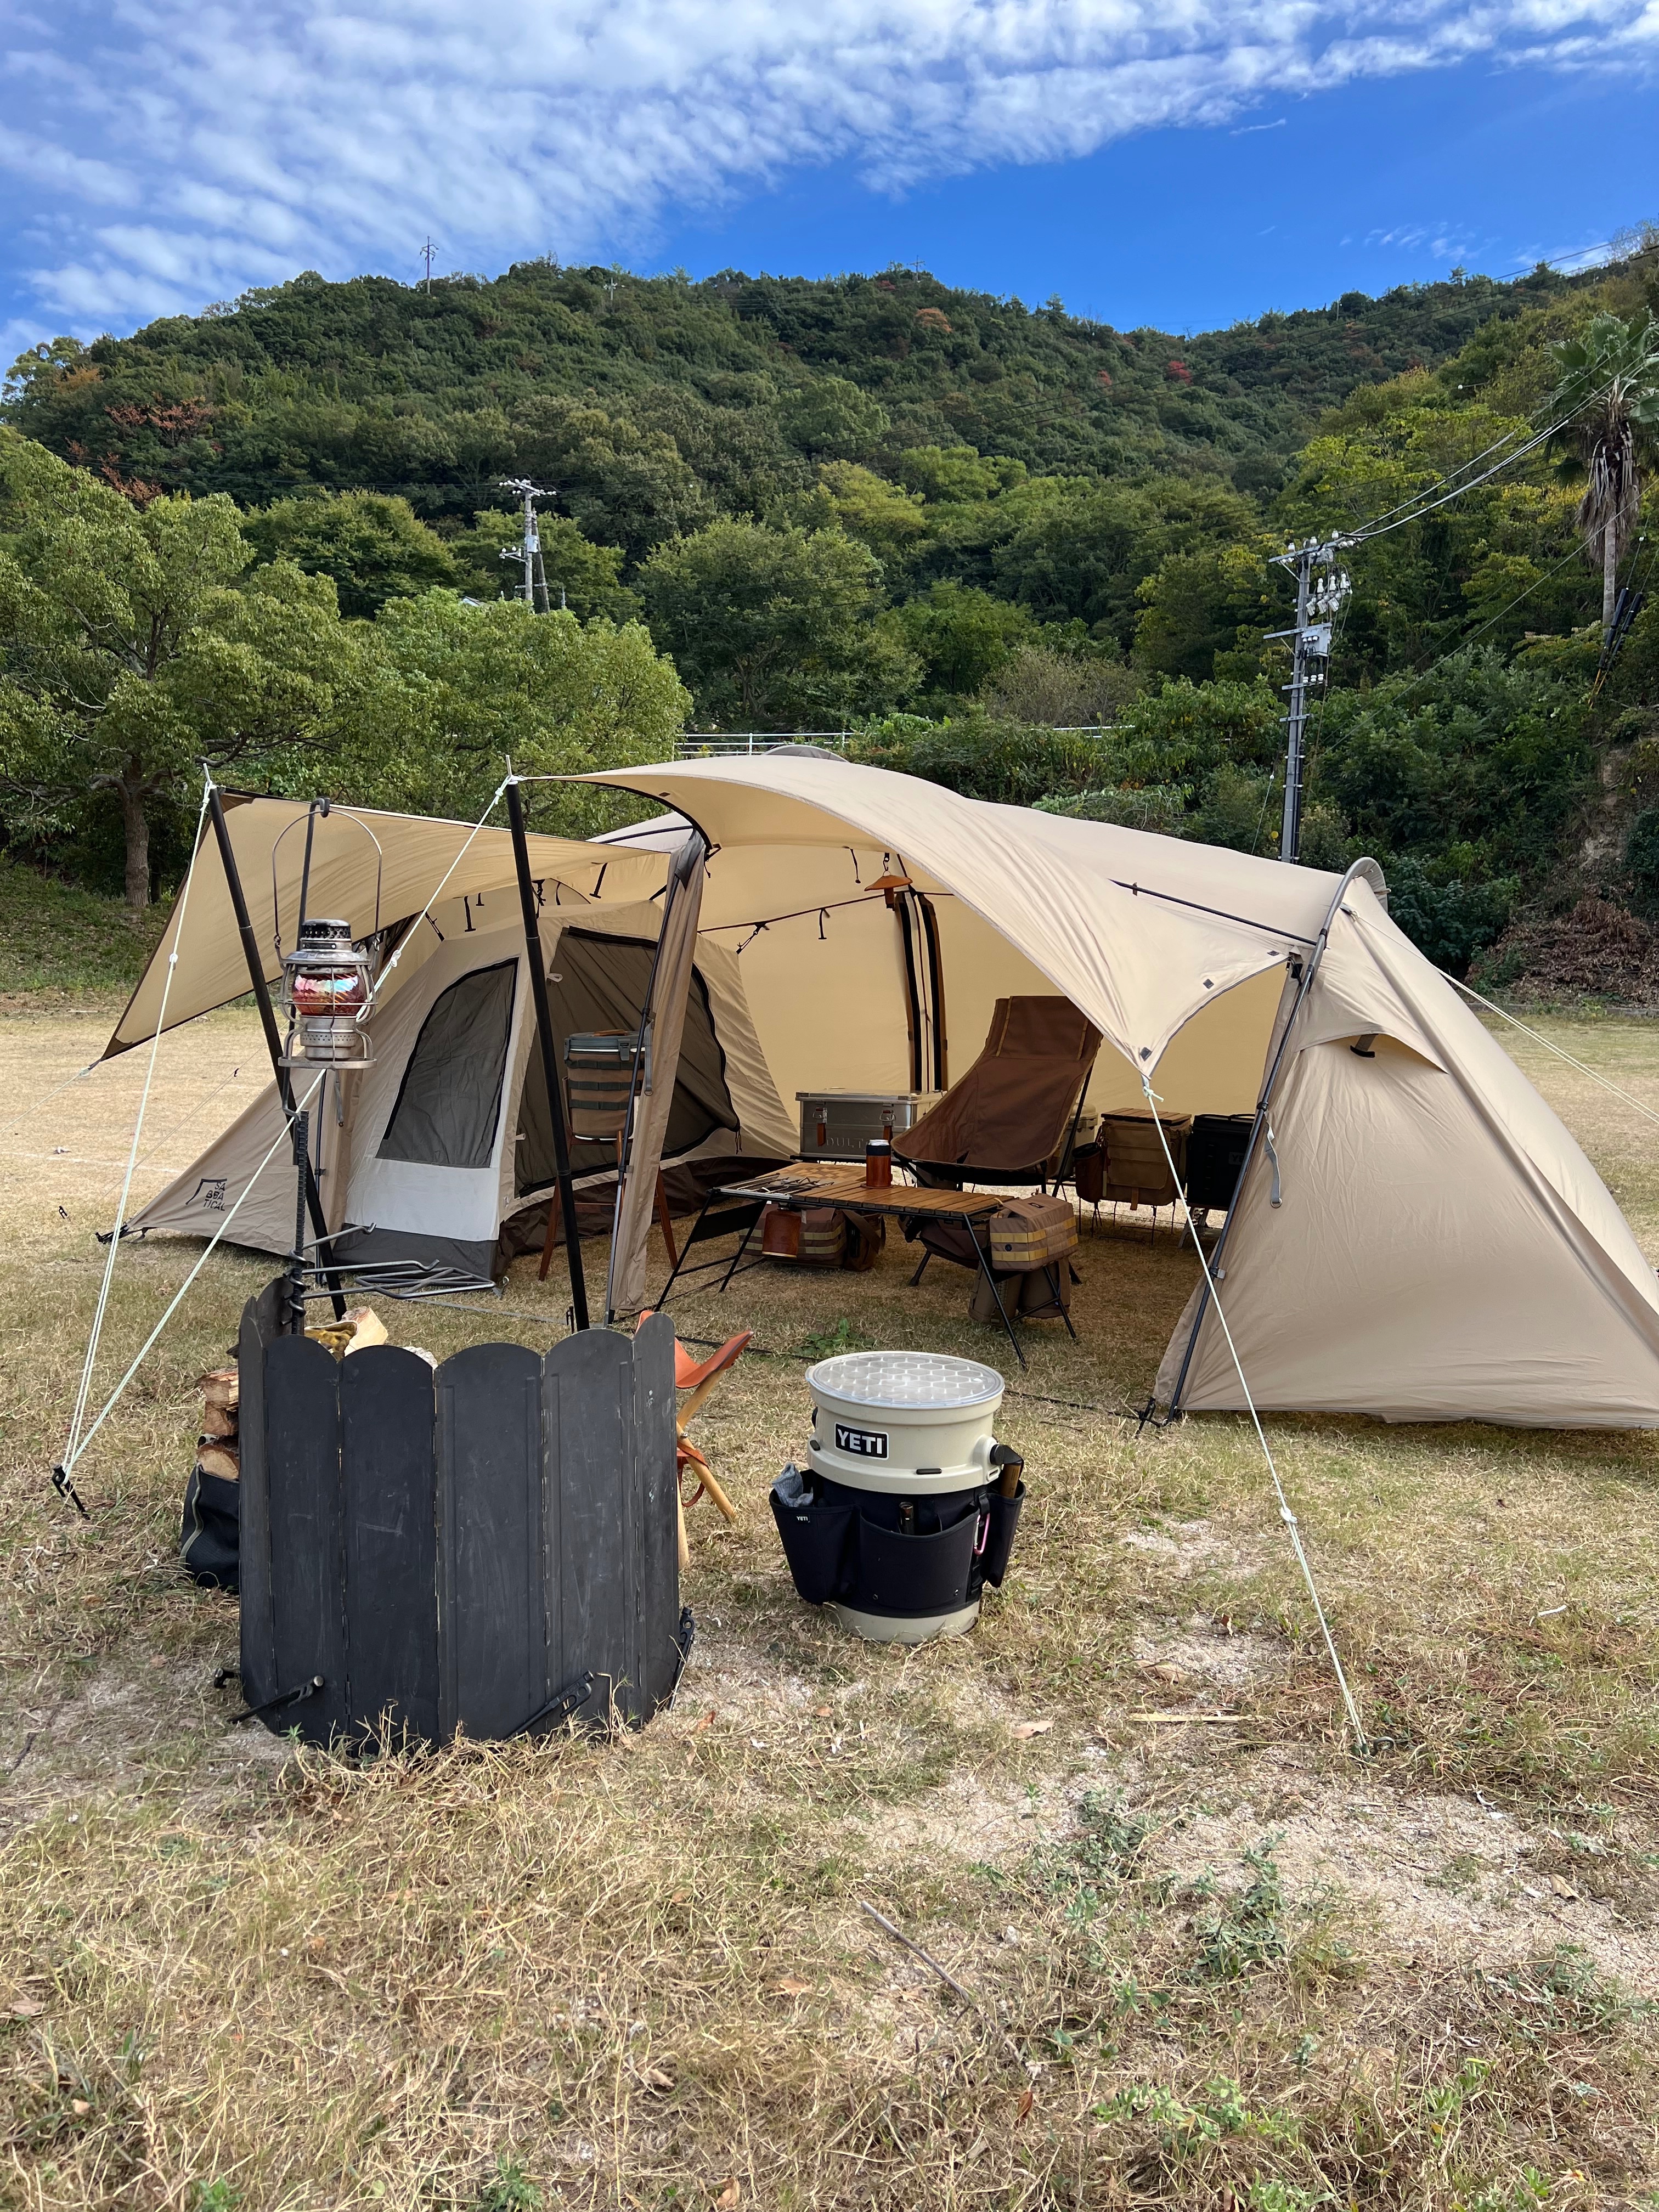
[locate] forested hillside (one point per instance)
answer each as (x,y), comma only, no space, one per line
(951,523)
(699,399)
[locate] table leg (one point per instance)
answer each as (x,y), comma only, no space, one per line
(1051,1276)
(741,1249)
(984,1270)
(680,1258)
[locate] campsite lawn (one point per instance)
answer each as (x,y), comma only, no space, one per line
(1216,1961)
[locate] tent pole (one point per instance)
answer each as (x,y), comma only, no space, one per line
(681,869)
(1370,870)
(268,1022)
(532,945)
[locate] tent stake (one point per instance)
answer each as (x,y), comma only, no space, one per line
(268,1022)
(532,945)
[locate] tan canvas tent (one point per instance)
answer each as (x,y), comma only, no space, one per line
(1416,1235)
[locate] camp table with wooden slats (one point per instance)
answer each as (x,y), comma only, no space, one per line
(844,1187)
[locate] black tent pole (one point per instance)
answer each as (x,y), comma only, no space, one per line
(532,945)
(268,1022)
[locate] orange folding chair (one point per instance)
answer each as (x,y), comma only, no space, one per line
(699,1377)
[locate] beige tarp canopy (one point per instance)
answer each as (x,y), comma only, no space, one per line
(1441,1248)
(369,869)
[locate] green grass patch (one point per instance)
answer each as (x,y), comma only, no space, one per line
(57,941)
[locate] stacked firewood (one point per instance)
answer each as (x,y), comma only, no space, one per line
(218,1450)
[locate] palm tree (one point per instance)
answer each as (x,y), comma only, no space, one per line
(1609,382)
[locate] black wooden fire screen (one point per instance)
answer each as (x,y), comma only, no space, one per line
(481,1549)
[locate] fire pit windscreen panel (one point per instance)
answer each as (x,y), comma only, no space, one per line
(454,1552)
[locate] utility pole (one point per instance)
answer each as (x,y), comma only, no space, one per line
(1321,589)
(533,590)
(427,252)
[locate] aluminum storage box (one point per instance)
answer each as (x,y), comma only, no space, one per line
(837,1125)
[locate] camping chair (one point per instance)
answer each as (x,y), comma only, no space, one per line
(598,1082)
(1016,1107)
(1013,1115)
(699,1377)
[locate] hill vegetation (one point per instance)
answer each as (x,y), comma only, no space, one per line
(949,522)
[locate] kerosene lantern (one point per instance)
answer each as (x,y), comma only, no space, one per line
(325,991)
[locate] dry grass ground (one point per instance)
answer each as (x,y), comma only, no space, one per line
(1215,1963)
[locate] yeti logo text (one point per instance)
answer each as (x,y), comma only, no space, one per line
(866,1444)
(209,1195)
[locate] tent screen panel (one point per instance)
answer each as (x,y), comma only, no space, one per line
(451,1098)
(599,983)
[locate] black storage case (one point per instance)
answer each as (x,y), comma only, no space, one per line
(1215,1145)
(454,1552)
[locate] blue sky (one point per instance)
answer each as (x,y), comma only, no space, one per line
(1373,185)
(1181,162)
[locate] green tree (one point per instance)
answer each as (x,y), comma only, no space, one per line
(831,419)
(884,517)
(962,636)
(131,649)
(623,485)
(375,548)
(1609,378)
(1493,559)
(1065,690)
(1477,771)
(775,627)
(1010,763)
(1080,551)
(462,687)
(1203,613)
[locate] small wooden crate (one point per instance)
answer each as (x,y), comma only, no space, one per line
(1032,1232)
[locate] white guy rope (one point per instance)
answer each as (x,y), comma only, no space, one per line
(285,1137)
(1549,1045)
(409,934)
(71,1451)
(46,1097)
(1285,1513)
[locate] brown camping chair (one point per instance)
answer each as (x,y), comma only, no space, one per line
(1011,1113)
(598,1081)
(1008,1118)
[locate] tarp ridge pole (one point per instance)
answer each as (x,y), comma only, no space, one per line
(1285,1513)
(268,1020)
(1369,871)
(533,945)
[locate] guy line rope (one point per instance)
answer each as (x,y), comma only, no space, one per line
(1285,1513)
(1549,1045)
(63,1473)
(72,1450)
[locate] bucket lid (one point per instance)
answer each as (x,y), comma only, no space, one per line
(932,1380)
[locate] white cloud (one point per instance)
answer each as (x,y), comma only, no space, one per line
(172,151)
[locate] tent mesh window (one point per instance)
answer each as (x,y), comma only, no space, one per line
(599,984)
(451,1097)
